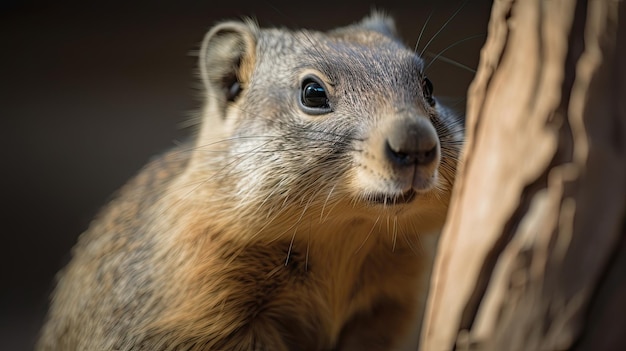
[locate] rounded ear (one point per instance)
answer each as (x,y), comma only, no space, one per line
(377,21)
(380,22)
(227,59)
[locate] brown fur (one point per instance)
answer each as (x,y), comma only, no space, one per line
(264,233)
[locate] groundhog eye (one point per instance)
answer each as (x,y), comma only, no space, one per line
(313,97)
(427,89)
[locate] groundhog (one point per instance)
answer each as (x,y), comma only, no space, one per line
(296,218)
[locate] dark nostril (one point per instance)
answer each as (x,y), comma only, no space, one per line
(426,157)
(408,157)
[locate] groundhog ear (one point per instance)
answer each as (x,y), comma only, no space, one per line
(380,22)
(227,58)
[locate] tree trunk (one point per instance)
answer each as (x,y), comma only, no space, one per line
(534,254)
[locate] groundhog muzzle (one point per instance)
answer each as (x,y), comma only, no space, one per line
(298,217)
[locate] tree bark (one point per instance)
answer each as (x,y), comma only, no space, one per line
(534,254)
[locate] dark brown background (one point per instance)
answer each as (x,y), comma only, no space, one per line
(89,93)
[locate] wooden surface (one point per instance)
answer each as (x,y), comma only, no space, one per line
(534,256)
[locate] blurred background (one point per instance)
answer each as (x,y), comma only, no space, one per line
(89,92)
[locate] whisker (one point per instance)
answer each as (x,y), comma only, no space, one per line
(290,247)
(448,60)
(395,233)
(420,245)
(326,202)
(409,243)
(451,46)
(442,27)
(419,38)
(367,236)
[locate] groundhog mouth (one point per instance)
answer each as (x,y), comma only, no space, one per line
(393,199)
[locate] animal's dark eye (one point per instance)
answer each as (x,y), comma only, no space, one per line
(313,97)
(427,89)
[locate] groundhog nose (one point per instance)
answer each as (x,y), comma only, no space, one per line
(412,142)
